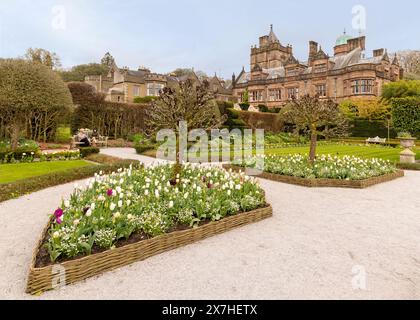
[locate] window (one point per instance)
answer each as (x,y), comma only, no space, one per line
(136,91)
(274,95)
(362,86)
(320,68)
(293,93)
(153,89)
(321,90)
(256,96)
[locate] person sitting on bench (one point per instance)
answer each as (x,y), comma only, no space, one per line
(82,137)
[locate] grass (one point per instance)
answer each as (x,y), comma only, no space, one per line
(386,153)
(18,171)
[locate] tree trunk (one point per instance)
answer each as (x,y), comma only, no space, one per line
(15,136)
(178,166)
(312,151)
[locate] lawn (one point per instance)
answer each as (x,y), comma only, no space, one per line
(18,171)
(386,153)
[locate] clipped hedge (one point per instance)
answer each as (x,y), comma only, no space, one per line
(25,186)
(370,128)
(86,151)
(270,122)
(406,115)
(233,120)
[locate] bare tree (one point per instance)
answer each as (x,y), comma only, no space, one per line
(187,102)
(410,62)
(318,117)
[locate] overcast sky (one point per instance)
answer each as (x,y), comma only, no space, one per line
(213,36)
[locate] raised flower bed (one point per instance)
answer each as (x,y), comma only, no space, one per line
(131,215)
(327,170)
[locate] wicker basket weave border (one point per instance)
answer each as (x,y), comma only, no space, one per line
(41,279)
(324,183)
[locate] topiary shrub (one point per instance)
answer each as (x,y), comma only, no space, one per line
(86,151)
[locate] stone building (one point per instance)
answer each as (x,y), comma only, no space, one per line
(123,84)
(276,76)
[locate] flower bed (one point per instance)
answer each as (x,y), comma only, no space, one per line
(327,170)
(26,157)
(133,209)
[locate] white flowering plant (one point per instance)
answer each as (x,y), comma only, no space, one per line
(149,202)
(324,166)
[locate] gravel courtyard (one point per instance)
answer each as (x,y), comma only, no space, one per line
(320,244)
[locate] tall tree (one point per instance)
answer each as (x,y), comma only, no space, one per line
(317,117)
(44,57)
(188,102)
(78,73)
(410,62)
(108,60)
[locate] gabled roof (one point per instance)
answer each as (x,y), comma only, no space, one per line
(291,60)
(272,36)
(321,55)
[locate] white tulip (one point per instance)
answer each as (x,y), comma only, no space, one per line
(171,204)
(67,203)
(76,222)
(112,206)
(56,234)
(88,213)
(120,203)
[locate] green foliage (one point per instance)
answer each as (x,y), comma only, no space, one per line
(370,128)
(370,109)
(44,57)
(63,134)
(33,100)
(111,119)
(233,120)
(244,106)
(271,122)
(406,115)
(401,89)
(147,99)
(78,73)
(86,151)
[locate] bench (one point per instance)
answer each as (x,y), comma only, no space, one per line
(102,141)
(376,140)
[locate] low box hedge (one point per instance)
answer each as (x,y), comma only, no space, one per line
(86,151)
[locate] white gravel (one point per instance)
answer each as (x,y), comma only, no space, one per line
(308,250)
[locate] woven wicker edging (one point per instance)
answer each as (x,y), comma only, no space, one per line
(324,183)
(54,276)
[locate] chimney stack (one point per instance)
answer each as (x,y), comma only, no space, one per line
(378,52)
(313,50)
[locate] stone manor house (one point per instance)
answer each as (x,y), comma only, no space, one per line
(123,84)
(276,76)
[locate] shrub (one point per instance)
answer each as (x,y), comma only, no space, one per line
(257,120)
(33,99)
(401,89)
(143,100)
(86,151)
(112,119)
(370,128)
(63,134)
(244,106)
(406,115)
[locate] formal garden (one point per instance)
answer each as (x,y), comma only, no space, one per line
(122,211)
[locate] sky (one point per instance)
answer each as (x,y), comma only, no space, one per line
(214,36)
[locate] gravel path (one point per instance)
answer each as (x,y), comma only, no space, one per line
(313,247)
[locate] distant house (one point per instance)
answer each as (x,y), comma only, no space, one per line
(124,85)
